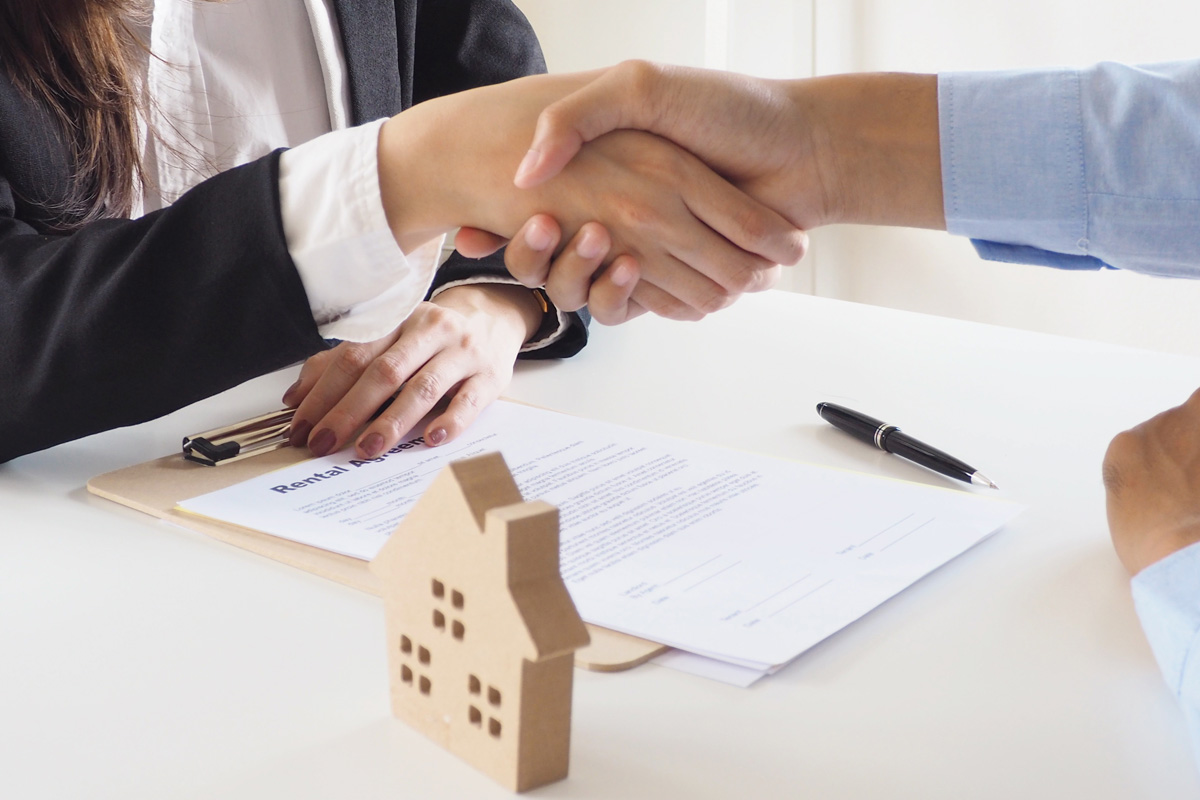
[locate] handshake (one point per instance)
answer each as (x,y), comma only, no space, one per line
(660,189)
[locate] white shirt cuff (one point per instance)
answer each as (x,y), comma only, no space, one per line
(1166,595)
(360,285)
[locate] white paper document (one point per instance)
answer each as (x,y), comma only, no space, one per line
(745,558)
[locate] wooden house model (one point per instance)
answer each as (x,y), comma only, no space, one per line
(481,631)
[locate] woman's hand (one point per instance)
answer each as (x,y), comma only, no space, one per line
(460,346)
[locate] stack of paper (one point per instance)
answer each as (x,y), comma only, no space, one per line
(738,557)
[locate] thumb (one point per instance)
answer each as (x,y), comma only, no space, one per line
(474,243)
(623,97)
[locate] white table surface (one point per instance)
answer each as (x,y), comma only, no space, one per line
(144,661)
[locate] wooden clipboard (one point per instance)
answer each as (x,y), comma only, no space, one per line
(155,488)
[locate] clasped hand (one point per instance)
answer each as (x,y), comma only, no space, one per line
(691,243)
(744,129)
(845,148)
(697,241)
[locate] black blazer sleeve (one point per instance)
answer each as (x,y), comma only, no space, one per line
(123,321)
(463,44)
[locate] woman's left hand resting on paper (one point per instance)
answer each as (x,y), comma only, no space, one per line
(461,346)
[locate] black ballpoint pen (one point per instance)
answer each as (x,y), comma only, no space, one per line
(891,439)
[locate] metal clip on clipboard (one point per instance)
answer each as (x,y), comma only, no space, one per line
(250,437)
(240,440)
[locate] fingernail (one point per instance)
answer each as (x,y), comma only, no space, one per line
(300,431)
(590,246)
(527,165)
(288,399)
(537,237)
(322,444)
(436,437)
(371,445)
(622,275)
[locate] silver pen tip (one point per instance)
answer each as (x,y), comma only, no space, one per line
(979,479)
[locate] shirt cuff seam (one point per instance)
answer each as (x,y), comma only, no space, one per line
(1085,243)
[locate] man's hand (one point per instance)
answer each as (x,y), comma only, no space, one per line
(1152,480)
(850,148)
(750,130)
(699,241)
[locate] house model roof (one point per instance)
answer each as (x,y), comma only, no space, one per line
(472,528)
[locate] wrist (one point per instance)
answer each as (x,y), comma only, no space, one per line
(412,185)
(876,143)
(1154,547)
(515,307)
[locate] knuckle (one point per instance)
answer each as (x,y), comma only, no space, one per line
(716,301)
(554,117)
(427,387)
(1113,481)
(467,404)
(642,80)
(525,265)
(640,75)
(568,292)
(637,216)
(338,419)
(564,299)
(352,360)
(445,322)
(744,276)
(435,315)
(762,232)
(799,246)
(754,279)
(390,369)
(389,427)
(661,164)
(755,226)
(671,308)
(1120,451)
(757,277)
(319,362)
(606,316)
(472,345)
(606,309)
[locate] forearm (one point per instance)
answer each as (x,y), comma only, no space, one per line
(437,172)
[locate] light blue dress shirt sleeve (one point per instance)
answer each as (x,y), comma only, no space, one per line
(1078,169)
(1167,597)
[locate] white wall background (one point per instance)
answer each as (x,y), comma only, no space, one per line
(917,270)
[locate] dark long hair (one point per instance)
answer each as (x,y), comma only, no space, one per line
(72,57)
